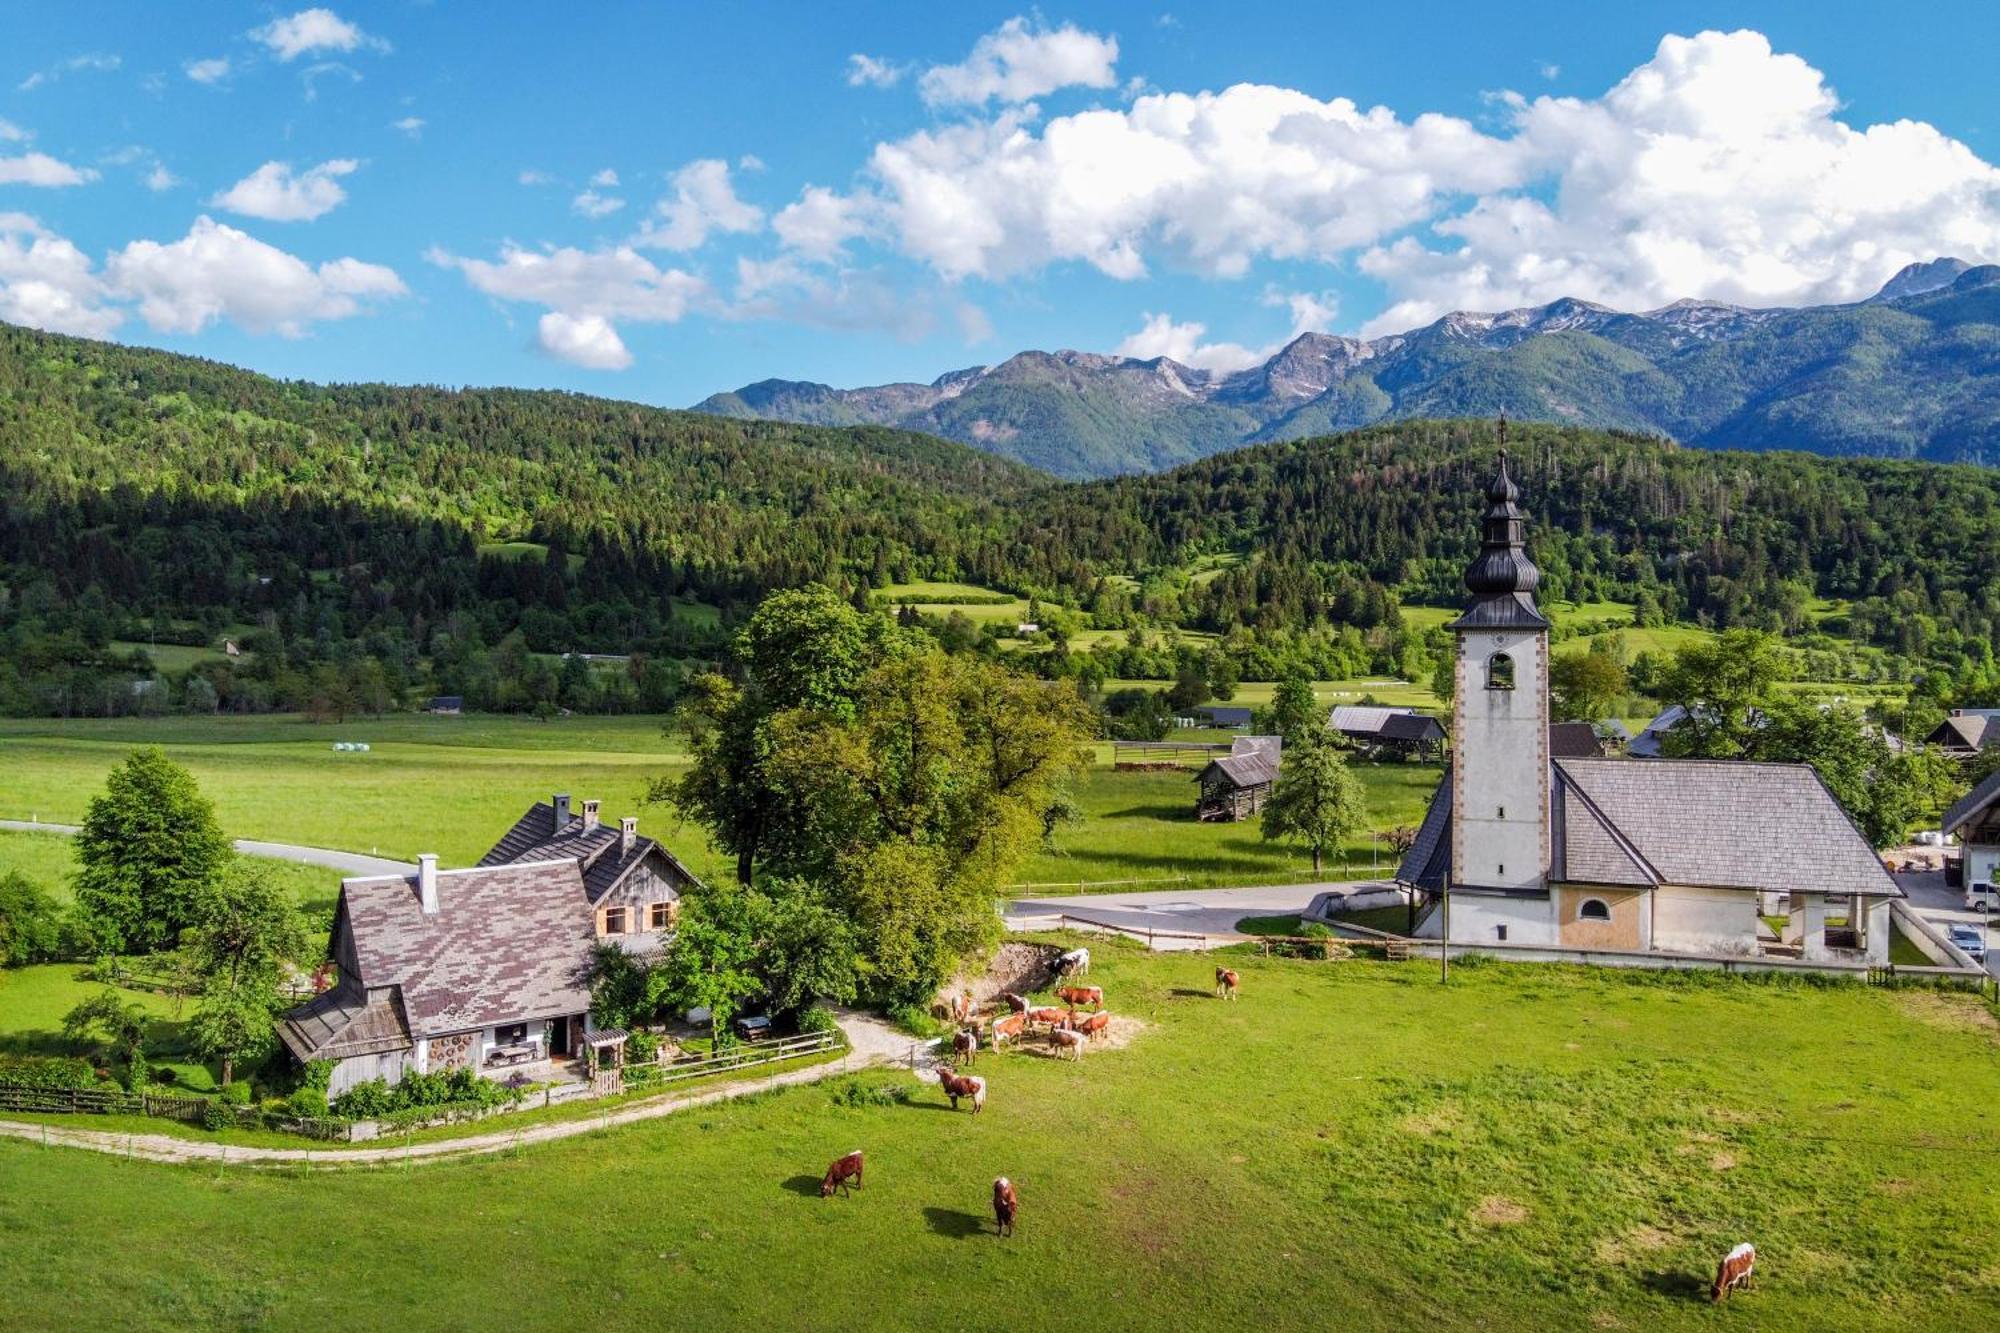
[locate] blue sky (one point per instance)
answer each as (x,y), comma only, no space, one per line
(659,201)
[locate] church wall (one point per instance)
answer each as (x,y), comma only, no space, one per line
(1500,768)
(1627,928)
(1477,918)
(1705,920)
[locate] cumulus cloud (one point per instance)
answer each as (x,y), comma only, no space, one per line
(591,204)
(10,132)
(604,179)
(273,192)
(217,272)
(704,202)
(42,170)
(532,177)
(586,290)
(311,31)
(213,70)
(821,223)
(1019,61)
(47,283)
(410,125)
(870,72)
(159,178)
(1161,336)
(582,340)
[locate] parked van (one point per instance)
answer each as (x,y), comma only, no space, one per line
(1982,897)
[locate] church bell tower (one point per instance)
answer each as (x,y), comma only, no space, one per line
(1500,708)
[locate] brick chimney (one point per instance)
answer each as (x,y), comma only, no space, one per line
(628,833)
(561,802)
(427,883)
(589,815)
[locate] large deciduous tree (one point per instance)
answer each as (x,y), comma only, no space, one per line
(1725,685)
(1317,801)
(1587,686)
(245,933)
(149,847)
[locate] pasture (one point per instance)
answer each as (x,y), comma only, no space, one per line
(1351,1145)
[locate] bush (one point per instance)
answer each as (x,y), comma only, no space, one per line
(815,1019)
(915,1020)
(858,1094)
(237,1093)
(307,1103)
(457,1089)
(166,1075)
(642,1048)
(214,1115)
(31,922)
(40,1071)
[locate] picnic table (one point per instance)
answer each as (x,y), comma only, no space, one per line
(515,1053)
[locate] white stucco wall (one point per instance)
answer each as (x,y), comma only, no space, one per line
(1500,773)
(1704,920)
(1476,919)
(1982,863)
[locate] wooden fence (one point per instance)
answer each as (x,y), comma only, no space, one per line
(187,1110)
(741,1057)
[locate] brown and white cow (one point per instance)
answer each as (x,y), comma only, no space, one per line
(961,1009)
(1226,982)
(1735,1270)
(844,1174)
(1095,1024)
(1068,1039)
(1018,1003)
(962,1085)
(1055,1018)
(1079,995)
(1008,1029)
(1005,1204)
(964,1045)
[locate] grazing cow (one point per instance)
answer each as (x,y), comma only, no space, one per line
(1005,1204)
(1008,1028)
(1226,983)
(963,1085)
(1075,963)
(1018,1003)
(1735,1270)
(1055,1018)
(963,1044)
(844,1174)
(961,1009)
(1076,995)
(1095,1024)
(1068,1039)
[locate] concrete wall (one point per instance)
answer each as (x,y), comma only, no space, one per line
(1982,862)
(1500,763)
(1628,928)
(1477,918)
(1704,920)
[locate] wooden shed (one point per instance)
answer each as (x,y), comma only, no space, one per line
(1237,786)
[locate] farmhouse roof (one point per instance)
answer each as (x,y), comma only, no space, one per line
(1259,768)
(1271,745)
(1362,718)
(1225,716)
(1574,740)
(1973,803)
(342,1022)
(1695,822)
(596,846)
(1965,731)
(506,943)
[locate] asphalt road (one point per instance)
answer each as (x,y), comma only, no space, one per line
(347,863)
(1212,913)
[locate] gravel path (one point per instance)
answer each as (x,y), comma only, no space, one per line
(347,863)
(871,1042)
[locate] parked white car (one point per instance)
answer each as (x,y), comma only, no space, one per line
(1982,896)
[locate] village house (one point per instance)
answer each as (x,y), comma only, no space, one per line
(1967,731)
(1975,822)
(1399,731)
(1522,847)
(487,967)
(1238,785)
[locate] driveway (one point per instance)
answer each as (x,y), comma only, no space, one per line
(1211,913)
(1942,907)
(347,863)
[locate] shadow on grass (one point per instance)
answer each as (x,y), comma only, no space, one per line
(806,1187)
(1682,1286)
(1190,993)
(954,1222)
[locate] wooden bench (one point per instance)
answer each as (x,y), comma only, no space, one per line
(1396,951)
(519,1053)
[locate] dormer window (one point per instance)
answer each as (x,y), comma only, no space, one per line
(1499,672)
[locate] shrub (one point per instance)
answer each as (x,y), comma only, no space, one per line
(858,1094)
(817,1019)
(40,1071)
(642,1048)
(915,1020)
(237,1093)
(166,1075)
(31,922)
(214,1115)
(457,1088)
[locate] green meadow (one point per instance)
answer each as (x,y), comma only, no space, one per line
(1350,1145)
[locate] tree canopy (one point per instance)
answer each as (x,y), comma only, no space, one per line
(148,850)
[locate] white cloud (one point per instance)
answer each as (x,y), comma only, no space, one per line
(582,340)
(159,178)
(869,72)
(274,193)
(1017,62)
(10,132)
(213,70)
(43,170)
(312,74)
(586,290)
(217,272)
(821,223)
(749,162)
(314,30)
(410,125)
(606,178)
(591,204)
(844,300)
(1161,336)
(95,61)
(47,283)
(533,177)
(1552,71)
(704,201)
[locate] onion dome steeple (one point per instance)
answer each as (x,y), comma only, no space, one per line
(1501,578)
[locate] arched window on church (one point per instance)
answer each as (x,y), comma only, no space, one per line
(1499,672)
(1593,909)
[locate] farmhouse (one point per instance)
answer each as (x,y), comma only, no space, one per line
(1975,821)
(1967,731)
(486,967)
(1523,847)
(1402,731)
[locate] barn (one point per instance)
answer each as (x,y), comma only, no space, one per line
(1236,786)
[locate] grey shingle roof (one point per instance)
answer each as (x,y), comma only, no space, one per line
(1965,731)
(507,943)
(1413,727)
(1576,740)
(535,837)
(1974,801)
(1360,718)
(1588,849)
(342,1022)
(1255,769)
(1428,862)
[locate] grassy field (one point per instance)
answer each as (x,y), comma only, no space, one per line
(1257,693)
(1526,1148)
(49,860)
(980,605)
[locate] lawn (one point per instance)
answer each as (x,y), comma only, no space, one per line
(1257,693)
(49,859)
(1350,1145)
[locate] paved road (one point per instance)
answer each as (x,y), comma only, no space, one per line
(1209,912)
(347,863)
(1942,907)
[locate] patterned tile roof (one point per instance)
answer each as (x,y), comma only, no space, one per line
(595,847)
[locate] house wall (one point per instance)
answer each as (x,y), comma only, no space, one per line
(1982,862)
(389,1066)
(1627,928)
(646,885)
(1500,769)
(1704,920)
(1476,918)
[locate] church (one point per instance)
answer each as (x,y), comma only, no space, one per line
(1525,850)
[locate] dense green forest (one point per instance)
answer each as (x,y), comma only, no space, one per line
(363,545)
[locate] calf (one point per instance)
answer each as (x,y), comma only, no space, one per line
(1068,1039)
(1226,983)
(963,1085)
(1076,995)
(961,1008)
(1735,1270)
(1005,1205)
(1075,963)
(844,1174)
(964,1043)
(1093,1025)
(1055,1018)
(1008,1028)
(1018,1003)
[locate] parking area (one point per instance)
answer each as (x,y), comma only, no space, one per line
(1944,907)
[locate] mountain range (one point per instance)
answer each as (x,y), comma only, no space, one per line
(1911,372)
